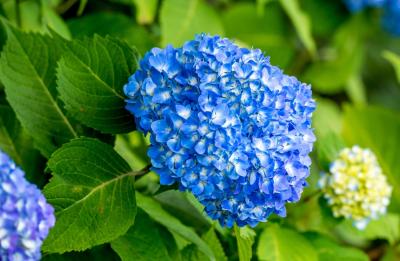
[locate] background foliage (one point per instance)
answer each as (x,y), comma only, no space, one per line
(62,68)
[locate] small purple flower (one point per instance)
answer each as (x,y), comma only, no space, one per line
(25,216)
(226,125)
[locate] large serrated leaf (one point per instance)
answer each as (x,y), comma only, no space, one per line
(27,70)
(155,211)
(91,75)
(142,242)
(281,244)
(182,19)
(92,191)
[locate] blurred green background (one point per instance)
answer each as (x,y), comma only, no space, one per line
(348,59)
(344,56)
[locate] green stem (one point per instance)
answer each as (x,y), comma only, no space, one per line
(141,172)
(311,196)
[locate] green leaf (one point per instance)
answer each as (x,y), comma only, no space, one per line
(225,232)
(155,211)
(392,254)
(327,118)
(268,31)
(142,241)
(319,11)
(341,61)
(176,203)
(327,249)
(329,147)
(92,191)
(394,59)
(301,22)
(191,253)
(245,240)
(379,130)
(145,11)
(37,16)
(55,22)
(327,214)
(113,24)
(170,243)
(29,14)
(82,5)
(133,148)
(212,240)
(27,70)
(18,145)
(103,252)
(91,75)
(181,19)
(386,227)
(261,6)
(355,89)
(10,129)
(278,243)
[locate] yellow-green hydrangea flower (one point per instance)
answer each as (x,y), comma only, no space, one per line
(356,187)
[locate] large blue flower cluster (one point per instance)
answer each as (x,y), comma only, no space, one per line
(391,12)
(25,216)
(226,125)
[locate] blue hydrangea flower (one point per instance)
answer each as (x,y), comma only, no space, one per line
(226,125)
(25,216)
(357,5)
(391,17)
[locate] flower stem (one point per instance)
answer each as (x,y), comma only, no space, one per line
(311,196)
(141,172)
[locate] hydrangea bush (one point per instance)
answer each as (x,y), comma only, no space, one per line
(189,130)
